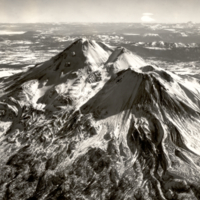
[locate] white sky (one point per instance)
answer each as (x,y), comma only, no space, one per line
(25,11)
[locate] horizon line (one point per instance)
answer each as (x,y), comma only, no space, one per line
(99,22)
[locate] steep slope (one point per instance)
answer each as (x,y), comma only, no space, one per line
(70,76)
(110,127)
(82,56)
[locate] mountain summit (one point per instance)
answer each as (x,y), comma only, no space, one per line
(98,122)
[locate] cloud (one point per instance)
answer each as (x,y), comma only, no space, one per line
(147,17)
(147,14)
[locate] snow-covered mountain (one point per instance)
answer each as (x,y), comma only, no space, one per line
(98,122)
(165,45)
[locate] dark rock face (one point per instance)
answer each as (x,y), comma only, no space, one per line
(135,136)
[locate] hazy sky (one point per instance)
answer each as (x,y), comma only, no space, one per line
(173,11)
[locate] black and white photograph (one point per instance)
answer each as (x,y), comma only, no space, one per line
(99,100)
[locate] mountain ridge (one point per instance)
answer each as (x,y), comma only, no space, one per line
(109,127)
